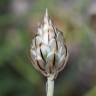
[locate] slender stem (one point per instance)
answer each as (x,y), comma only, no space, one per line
(50,86)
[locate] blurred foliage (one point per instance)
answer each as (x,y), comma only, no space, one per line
(92,92)
(17,75)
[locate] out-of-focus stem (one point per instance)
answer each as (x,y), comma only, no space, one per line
(50,86)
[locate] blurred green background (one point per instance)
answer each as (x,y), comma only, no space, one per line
(18,23)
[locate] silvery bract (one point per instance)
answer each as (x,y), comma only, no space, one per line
(48,50)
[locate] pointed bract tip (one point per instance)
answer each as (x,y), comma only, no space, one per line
(46,17)
(46,12)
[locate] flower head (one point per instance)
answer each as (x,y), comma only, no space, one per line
(48,49)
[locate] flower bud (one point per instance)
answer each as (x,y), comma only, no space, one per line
(48,49)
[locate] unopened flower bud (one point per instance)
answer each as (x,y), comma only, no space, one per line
(48,50)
